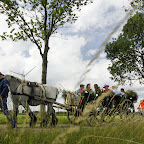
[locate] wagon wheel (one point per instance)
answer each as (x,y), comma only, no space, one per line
(109,114)
(94,116)
(101,113)
(109,111)
(126,109)
(73,115)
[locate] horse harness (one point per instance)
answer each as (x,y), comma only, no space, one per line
(32,85)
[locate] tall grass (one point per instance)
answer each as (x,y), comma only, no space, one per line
(21,118)
(126,132)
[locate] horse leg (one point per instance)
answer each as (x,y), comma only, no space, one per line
(31,114)
(46,118)
(54,118)
(15,110)
(33,119)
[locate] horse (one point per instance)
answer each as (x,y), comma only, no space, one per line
(27,94)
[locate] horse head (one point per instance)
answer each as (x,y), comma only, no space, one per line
(13,82)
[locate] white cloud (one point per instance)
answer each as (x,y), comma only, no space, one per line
(91,52)
(101,14)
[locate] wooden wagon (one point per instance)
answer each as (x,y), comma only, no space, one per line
(100,109)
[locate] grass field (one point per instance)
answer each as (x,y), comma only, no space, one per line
(62,119)
(122,132)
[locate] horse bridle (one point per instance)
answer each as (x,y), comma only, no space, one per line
(14,93)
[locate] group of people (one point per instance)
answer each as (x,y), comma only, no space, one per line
(98,91)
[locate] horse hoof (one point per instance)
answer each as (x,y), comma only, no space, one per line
(32,125)
(43,125)
(56,121)
(13,124)
(52,125)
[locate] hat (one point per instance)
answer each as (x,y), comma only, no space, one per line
(1,74)
(105,86)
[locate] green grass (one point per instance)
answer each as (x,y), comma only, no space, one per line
(122,132)
(62,119)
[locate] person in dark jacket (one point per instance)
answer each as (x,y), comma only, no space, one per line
(3,99)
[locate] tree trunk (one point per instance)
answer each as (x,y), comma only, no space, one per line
(44,74)
(44,69)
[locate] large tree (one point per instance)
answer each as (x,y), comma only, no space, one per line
(127,52)
(137,5)
(37,20)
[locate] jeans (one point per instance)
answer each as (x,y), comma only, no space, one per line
(4,108)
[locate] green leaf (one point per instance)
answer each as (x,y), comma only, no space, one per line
(126,51)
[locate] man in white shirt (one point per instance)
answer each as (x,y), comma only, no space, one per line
(117,92)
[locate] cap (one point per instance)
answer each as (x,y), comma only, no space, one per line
(1,74)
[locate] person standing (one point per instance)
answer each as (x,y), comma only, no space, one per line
(106,87)
(3,99)
(97,91)
(107,99)
(88,87)
(116,92)
(80,90)
(141,107)
(123,91)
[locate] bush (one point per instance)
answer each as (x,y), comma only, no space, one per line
(132,95)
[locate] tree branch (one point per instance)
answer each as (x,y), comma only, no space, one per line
(25,23)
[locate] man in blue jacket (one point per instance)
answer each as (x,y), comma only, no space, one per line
(3,99)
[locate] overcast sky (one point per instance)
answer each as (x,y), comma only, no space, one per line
(70,52)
